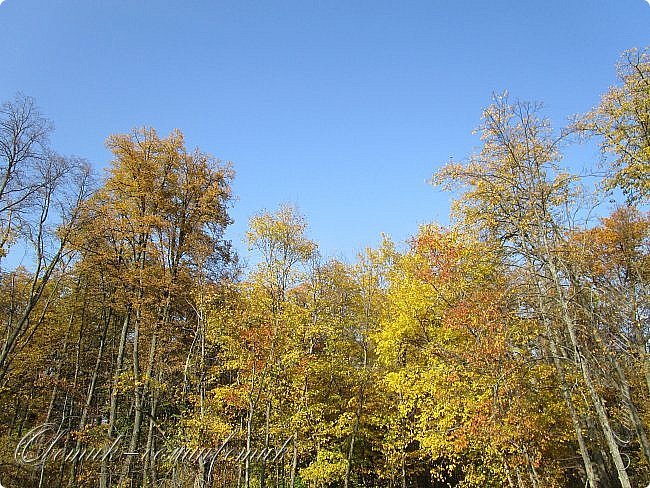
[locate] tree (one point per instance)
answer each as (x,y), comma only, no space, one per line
(24,157)
(280,241)
(40,198)
(284,248)
(518,196)
(156,229)
(463,368)
(622,122)
(612,259)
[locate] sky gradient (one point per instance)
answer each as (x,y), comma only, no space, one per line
(343,108)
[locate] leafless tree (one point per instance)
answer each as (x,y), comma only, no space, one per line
(40,195)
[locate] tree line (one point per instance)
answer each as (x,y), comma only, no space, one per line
(508,348)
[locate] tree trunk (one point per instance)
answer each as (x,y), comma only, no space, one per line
(57,375)
(634,414)
(294,463)
(355,430)
(585,368)
(592,479)
(112,414)
(266,443)
(137,401)
(150,467)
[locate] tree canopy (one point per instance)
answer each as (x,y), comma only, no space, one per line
(509,348)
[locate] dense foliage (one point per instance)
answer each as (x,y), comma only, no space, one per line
(510,348)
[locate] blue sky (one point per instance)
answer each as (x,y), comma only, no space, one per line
(343,108)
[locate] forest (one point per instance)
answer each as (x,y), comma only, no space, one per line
(509,348)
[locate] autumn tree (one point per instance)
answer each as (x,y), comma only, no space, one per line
(284,250)
(41,194)
(612,261)
(517,194)
(622,123)
(464,369)
(40,197)
(154,227)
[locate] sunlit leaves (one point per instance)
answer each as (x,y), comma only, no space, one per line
(622,122)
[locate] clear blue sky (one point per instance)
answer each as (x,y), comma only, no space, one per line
(341,107)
